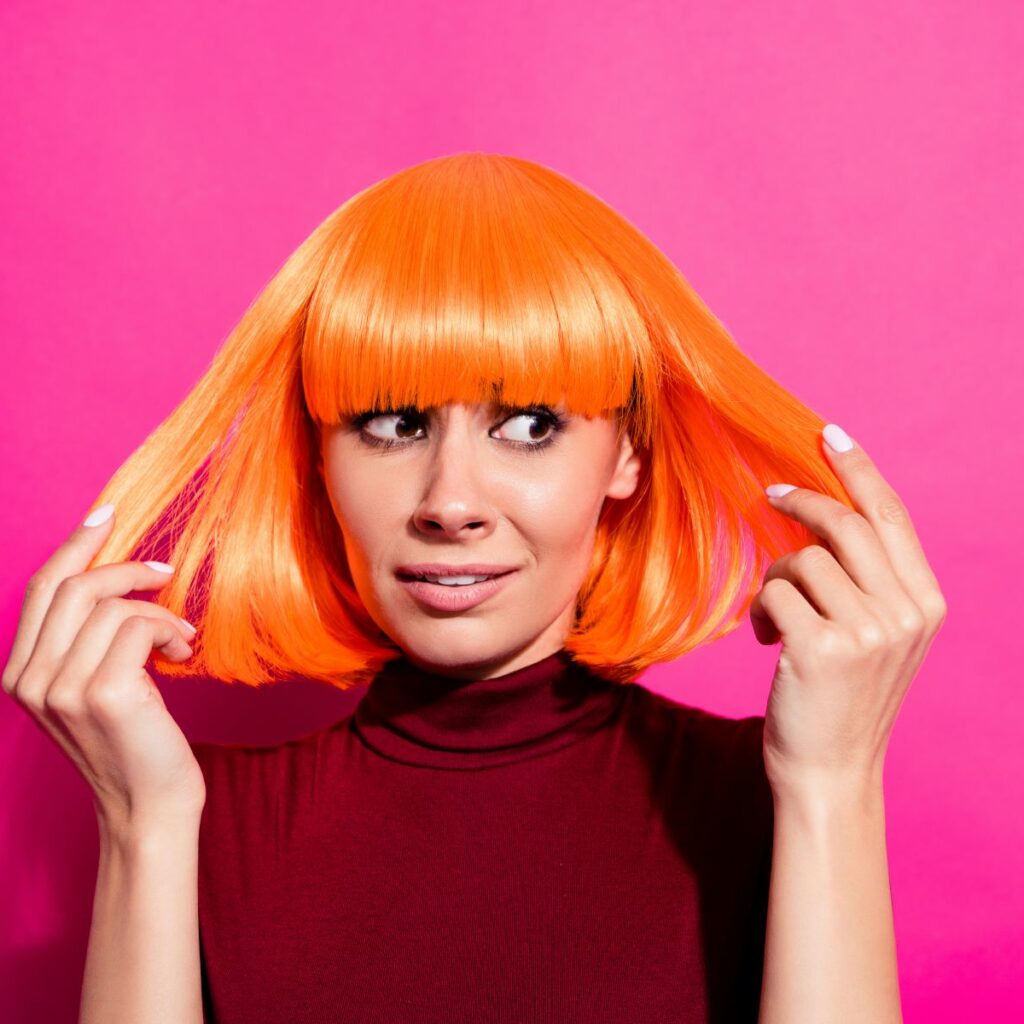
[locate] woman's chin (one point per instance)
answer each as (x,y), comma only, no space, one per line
(451,647)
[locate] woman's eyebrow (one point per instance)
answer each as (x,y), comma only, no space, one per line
(490,405)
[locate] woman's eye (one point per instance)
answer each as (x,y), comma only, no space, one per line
(403,424)
(528,430)
(526,426)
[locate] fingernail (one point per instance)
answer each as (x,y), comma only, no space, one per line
(778,490)
(836,438)
(160,566)
(189,624)
(98,515)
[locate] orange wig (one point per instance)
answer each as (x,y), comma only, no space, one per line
(444,282)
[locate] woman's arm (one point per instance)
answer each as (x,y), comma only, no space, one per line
(142,964)
(856,615)
(78,667)
(830,948)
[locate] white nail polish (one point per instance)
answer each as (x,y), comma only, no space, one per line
(188,624)
(836,438)
(160,566)
(98,515)
(778,490)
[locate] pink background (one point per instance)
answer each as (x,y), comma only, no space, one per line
(841,186)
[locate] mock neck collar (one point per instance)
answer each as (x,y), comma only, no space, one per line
(424,718)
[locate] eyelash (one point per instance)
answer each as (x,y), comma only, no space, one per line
(541,412)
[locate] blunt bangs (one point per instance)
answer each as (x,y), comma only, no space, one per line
(472,287)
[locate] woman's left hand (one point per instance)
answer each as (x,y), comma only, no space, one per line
(856,617)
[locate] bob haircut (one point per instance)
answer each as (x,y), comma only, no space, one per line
(463,278)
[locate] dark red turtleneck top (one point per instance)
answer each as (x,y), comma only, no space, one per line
(544,846)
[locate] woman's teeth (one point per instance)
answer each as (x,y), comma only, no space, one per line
(455,581)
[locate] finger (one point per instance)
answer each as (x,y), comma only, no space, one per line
(882,507)
(92,641)
(64,700)
(779,610)
(814,571)
(73,556)
(77,596)
(68,667)
(850,537)
(116,679)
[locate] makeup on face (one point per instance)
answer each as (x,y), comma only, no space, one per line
(455,590)
(469,528)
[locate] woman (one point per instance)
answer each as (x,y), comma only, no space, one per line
(479,445)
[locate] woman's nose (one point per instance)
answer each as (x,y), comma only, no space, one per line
(454,499)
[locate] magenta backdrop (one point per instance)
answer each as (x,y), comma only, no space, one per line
(841,186)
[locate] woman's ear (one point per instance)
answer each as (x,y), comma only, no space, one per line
(627,470)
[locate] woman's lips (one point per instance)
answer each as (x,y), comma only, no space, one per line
(455,598)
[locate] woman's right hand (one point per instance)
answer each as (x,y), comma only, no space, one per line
(78,667)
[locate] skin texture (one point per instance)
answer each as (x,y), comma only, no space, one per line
(458,488)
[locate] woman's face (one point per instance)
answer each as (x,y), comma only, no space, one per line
(508,490)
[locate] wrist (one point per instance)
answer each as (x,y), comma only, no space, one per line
(827,793)
(831,821)
(140,832)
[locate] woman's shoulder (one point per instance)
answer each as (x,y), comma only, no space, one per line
(701,730)
(227,760)
(714,759)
